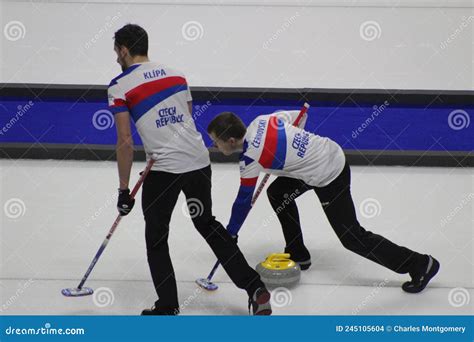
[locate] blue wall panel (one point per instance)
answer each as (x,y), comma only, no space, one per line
(393,128)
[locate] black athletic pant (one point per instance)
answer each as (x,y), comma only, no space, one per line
(339,208)
(159,196)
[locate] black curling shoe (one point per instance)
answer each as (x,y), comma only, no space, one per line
(422,276)
(154,311)
(259,303)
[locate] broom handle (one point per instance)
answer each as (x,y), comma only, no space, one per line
(115,224)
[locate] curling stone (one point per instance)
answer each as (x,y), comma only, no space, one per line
(278,270)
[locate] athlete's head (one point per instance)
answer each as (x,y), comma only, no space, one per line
(227,132)
(130,41)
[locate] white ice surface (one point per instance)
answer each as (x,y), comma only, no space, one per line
(70,205)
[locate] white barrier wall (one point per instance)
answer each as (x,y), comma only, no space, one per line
(320,44)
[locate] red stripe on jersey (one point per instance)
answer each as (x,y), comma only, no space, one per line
(248,181)
(141,92)
(119,103)
(270,144)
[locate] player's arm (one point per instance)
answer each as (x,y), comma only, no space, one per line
(124,148)
(249,171)
(242,205)
(190,107)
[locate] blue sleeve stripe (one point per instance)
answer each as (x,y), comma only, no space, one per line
(240,209)
(118,109)
(280,153)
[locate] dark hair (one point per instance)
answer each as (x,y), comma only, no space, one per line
(227,125)
(134,38)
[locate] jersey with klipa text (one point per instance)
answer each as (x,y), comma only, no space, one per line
(156,97)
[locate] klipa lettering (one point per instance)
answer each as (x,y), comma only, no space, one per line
(154,73)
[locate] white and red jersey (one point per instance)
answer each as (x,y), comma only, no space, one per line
(156,97)
(274,145)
